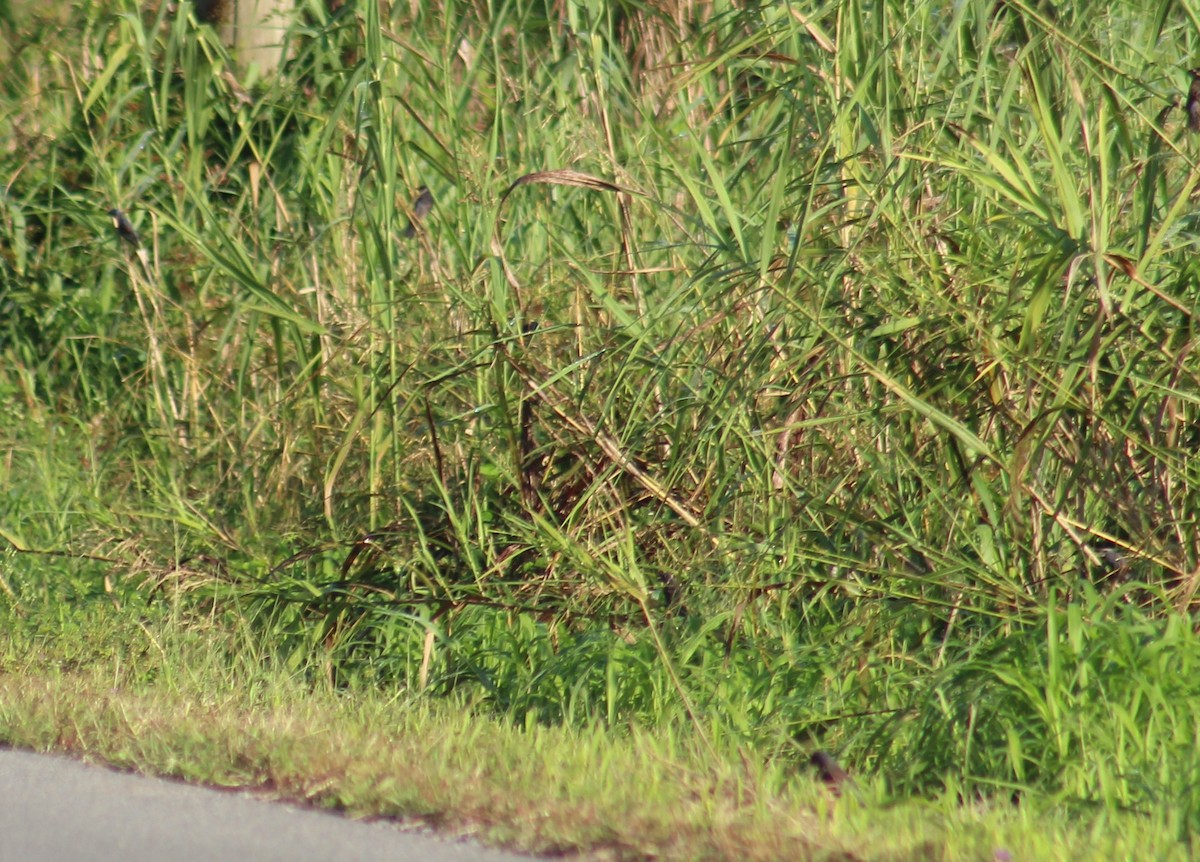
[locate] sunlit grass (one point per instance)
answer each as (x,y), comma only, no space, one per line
(175,700)
(783,376)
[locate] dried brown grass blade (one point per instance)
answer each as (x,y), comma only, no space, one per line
(583,426)
(563,177)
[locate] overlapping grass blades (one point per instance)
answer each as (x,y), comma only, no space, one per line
(855,354)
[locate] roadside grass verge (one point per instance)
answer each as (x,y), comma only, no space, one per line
(187,702)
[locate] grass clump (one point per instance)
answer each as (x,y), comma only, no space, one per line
(780,376)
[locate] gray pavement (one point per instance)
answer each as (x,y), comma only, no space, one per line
(53,809)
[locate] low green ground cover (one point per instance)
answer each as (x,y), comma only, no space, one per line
(768,378)
(172,695)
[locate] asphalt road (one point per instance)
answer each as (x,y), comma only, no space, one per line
(53,809)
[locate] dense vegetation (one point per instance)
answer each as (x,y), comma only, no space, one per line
(799,374)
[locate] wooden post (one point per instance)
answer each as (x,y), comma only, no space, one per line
(253,29)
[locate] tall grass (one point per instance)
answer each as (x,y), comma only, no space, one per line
(805,373)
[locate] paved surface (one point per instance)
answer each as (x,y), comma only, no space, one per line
(53,809)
